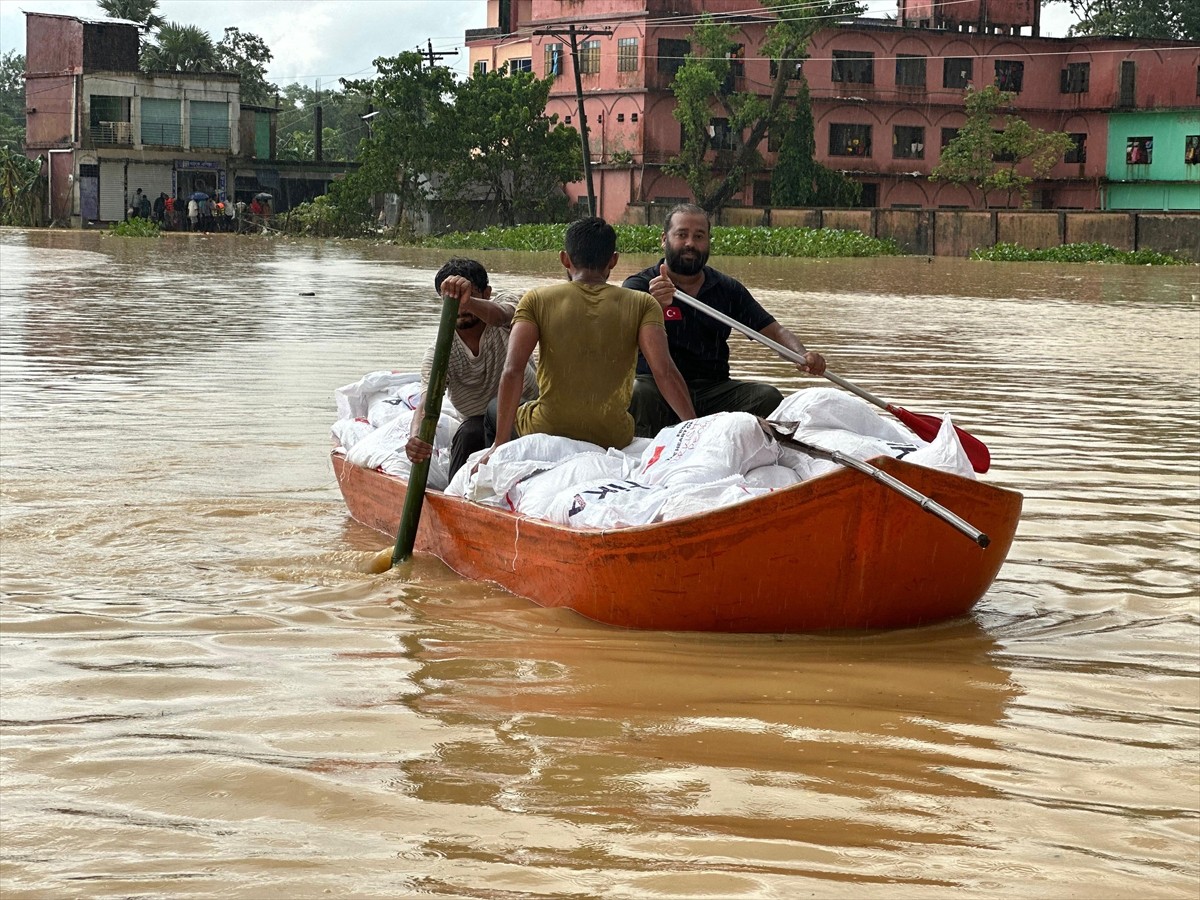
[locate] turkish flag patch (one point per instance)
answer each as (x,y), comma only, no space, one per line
(673,313)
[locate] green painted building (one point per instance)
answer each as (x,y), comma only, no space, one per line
(1153,160)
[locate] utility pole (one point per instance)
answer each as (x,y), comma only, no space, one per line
(574,34)
(432,57)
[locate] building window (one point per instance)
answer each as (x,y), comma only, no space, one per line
(853,67)
(481,67)
(161,122)
(1191,150)
(1078,152)
(620,117)
(589,58)
(908,142)
(1128,83)
(671,54)
(722,136)
(737,61)
(1003,154)
(627,54)
(956,72)
(209,125)
(524,64)
(553,63)
(1138,151)
(948,134)
(849,140)
(1074,78)
(1010,75)
(109,120)
(910,71)
(566,120)
(633,117)
(796,66)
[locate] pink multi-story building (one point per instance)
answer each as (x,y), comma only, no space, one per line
(886,97)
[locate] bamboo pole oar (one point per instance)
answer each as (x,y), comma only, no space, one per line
(926,503)
(414,497)
(923,425)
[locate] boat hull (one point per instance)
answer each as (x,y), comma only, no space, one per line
(836,552)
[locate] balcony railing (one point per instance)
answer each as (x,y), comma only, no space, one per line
(114,133)
(162,134)
(216,136)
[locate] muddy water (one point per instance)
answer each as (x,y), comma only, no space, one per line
(202,696)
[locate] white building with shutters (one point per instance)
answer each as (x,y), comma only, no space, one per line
(106,129)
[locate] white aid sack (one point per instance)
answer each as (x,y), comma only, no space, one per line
(348,432)
(820,410)
(945,453)
(353,400)
(383,449)
(535,496)
(772,477)
(513,462)
(607,504)
(701,451)
(693,499)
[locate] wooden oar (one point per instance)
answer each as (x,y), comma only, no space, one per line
(926,503)
(410,516)
(923,425)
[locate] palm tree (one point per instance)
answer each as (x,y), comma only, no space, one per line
(144,12)
(180,48)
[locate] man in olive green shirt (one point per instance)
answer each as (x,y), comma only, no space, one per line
(589,333)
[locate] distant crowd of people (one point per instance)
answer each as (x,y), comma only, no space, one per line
(199,212)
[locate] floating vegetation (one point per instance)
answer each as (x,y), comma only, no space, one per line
(135,228)
(726,241)
(1076,253)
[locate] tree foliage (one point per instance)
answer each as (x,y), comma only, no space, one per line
(180,48)
(993,158)
(247,55)
(508,147)
(798,179)
(22,189)
(701,87)
(341,117)
(12,100)
(1179,19)
(144,12)
(407,140)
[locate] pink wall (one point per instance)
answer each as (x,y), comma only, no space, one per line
(54,45)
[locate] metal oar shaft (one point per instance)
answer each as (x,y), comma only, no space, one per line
(785,352)
(926,503)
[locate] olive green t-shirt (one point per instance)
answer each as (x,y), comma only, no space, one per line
(588,346)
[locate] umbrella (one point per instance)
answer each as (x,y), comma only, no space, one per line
(264,196)
(199,195)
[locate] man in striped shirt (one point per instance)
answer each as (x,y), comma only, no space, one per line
(476,359)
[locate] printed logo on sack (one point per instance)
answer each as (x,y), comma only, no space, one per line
(601,491)
(673,314)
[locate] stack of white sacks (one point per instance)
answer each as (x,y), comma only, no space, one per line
(689,468)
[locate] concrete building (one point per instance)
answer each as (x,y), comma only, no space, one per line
(886,97)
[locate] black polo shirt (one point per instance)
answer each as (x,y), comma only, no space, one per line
(699,343)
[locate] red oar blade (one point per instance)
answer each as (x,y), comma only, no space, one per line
(926,428)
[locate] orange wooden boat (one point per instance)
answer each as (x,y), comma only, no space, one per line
(839,551)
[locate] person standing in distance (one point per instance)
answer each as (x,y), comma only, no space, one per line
(699,343)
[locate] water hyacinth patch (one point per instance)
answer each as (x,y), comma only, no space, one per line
(135,228)
(1076,253)
(726,241)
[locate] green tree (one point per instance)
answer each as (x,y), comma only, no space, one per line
(12,100)
(22,189)
(510,147)
(144,12)
(1136,18)
(180,48)
(702,86)
(990,158)
(247,55)
(341,118)
(798,179)
(407,140)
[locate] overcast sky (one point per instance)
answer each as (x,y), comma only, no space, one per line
(331,39)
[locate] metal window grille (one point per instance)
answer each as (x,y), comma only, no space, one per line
(627,54)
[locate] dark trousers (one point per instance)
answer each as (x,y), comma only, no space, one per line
(489,424)
(651,413)
(467,439)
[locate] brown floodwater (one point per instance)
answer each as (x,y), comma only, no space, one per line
(203,695)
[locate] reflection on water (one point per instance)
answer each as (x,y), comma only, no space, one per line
(202,694)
